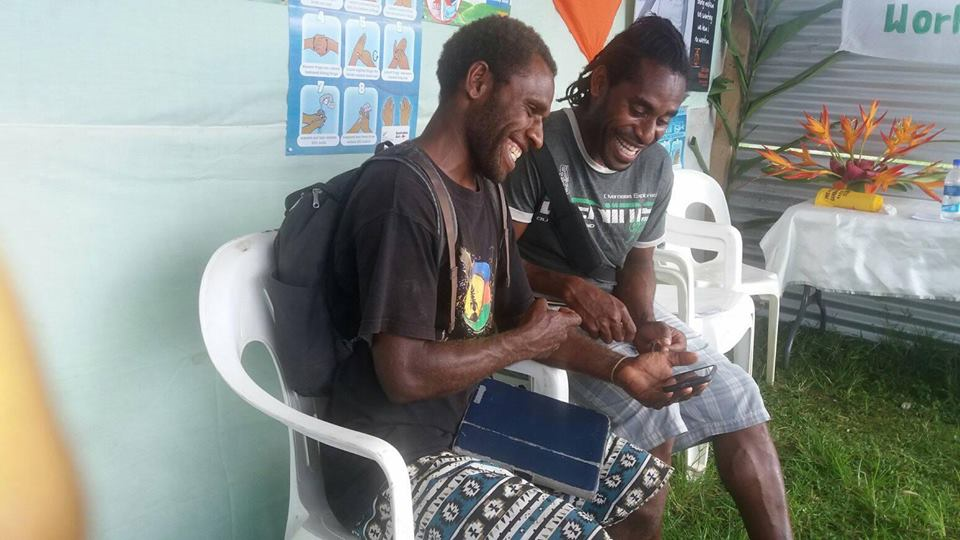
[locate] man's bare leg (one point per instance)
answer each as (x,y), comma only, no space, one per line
(646,522)
(750,469)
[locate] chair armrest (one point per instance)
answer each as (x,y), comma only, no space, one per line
(355,442)
(725,240)
(674,267)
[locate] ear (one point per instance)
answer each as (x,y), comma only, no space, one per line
(479,80)
(599,83)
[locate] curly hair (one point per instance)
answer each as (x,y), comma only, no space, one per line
(506,45)
(649,37)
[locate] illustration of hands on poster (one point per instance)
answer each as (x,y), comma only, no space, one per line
(461,12)
(399,42)
(322,37)
(363,59)
(319,116)
(397,119)
(353,75)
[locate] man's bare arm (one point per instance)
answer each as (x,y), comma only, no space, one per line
(413,370)
(636,287)
(604,316)
(642,376)
(637,284)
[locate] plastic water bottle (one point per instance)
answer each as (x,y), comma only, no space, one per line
(951,194)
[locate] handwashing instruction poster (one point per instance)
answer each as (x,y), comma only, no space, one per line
(353,72)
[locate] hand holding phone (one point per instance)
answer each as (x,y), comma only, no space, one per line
(691,378)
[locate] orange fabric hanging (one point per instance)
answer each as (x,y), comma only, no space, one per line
(589,21)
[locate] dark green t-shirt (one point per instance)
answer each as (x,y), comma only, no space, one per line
(621,209)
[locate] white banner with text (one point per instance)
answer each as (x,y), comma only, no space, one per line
(918,30)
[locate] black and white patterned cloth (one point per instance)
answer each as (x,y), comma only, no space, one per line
(456,496)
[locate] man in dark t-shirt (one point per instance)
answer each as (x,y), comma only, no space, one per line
(406,381)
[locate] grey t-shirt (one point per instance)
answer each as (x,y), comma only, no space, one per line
(622,209)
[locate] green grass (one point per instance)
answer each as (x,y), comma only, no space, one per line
(869,439)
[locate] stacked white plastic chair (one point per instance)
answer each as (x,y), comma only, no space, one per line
(717,310)
(692,187)
(234,312)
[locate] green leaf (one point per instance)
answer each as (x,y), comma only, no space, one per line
(719,86)
(744,165)
(725,121)
(784,32)
(799,78)
(900,186)
(726,21)
(754,27)
(695,147)
(772,9)
(742,75)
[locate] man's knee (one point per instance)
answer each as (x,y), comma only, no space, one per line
(753,444)
(664,451)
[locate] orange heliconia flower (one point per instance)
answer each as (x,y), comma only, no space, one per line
(806,160)
(931,189)
(851,133)
(819,132)
(904,136)
(870,121)
(886,177)
(848,167)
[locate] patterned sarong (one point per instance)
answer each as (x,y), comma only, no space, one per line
(457,496)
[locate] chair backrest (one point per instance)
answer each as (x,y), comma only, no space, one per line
(234,312)
(692,187)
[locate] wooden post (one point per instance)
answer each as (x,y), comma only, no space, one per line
(722,152)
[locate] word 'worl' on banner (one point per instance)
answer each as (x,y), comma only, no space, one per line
(918,30)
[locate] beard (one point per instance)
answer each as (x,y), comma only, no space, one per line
(483,141)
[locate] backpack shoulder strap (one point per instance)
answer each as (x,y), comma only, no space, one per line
(580,250)
(500,202)
(419,162)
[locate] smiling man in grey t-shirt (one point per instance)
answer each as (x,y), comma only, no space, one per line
(612,169)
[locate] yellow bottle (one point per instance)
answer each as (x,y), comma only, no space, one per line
(844,198)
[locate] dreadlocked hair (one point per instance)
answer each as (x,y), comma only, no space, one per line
(649,37)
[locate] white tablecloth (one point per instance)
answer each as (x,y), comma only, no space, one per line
(849,251)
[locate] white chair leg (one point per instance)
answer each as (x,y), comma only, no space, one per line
(697,457)
(743,351)
(773,325)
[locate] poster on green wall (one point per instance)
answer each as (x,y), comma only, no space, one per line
(353,75)
(461,12)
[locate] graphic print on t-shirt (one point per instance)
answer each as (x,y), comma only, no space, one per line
(632,210)
(477,300)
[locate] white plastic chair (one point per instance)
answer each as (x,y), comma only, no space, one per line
(234,312)
(692,187)
(724,317)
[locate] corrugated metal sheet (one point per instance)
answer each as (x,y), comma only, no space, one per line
(927,92)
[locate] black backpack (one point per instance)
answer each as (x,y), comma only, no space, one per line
(307,341)
(300,289)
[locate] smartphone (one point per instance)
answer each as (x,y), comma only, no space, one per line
(691,378)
